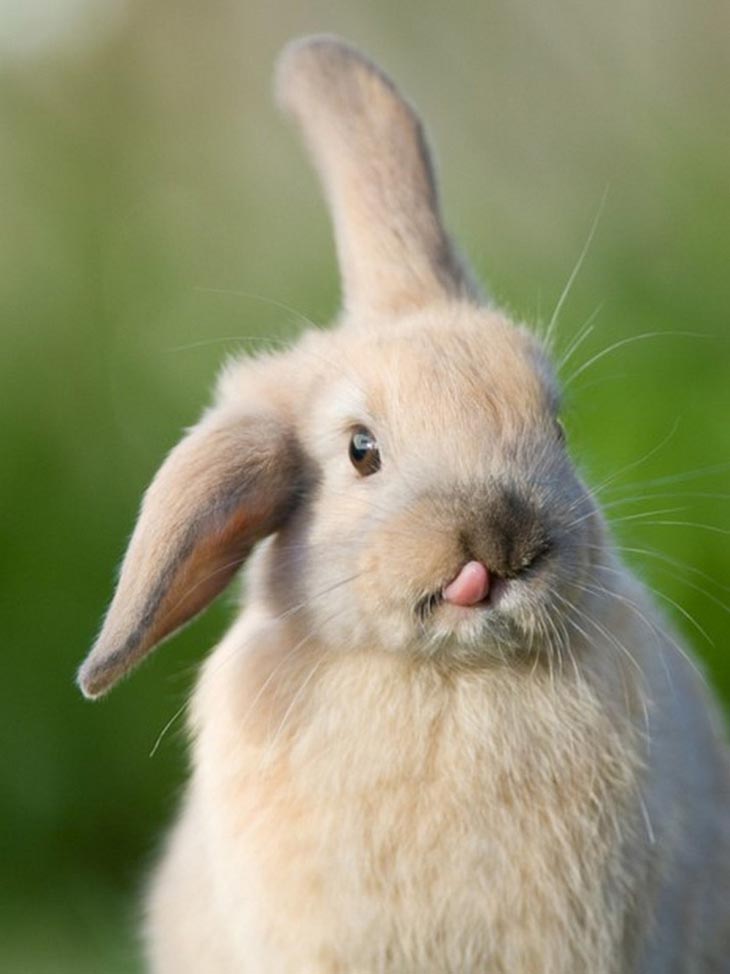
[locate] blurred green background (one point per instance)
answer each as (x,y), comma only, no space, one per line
(157,215)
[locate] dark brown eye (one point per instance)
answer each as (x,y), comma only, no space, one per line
(364,452)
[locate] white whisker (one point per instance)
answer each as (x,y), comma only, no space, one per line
(632,339)
(576,270)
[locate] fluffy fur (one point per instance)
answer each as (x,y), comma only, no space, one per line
(383,782)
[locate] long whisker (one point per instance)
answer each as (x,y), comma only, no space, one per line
(665,495)
(583,334)
(341,366)
(263,340)
(573,610)
(661,632)
(611,637)
(684,476)
(597,490)
(263,299)
(576,270)
(687,582)
(698,526)
(675,562)
(625,517)
(632,339)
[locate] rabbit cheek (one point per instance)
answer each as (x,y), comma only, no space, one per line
(400,566)
(582,546)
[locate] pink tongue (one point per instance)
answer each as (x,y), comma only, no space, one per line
(470,586)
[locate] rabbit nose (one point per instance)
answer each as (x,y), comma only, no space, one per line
(506,532)
(470,586)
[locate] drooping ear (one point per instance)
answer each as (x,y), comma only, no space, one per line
(229,483)
(369,147)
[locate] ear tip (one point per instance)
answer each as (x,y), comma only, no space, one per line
(91,680)
(299,60)
(309,65)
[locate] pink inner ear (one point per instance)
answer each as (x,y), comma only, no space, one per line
(470,586)
(205,573)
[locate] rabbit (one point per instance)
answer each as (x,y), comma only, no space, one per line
(448,731)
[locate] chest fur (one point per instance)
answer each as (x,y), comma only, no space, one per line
(410,822)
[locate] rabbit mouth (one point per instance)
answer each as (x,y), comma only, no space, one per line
(427,606)
(495,589)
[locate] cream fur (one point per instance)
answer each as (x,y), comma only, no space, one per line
(541,787)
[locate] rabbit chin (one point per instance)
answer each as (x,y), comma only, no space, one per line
(508,624)
(483,631)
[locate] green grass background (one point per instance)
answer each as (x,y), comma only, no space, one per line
(157,214)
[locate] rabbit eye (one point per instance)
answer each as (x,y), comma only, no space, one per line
(560,431)
(364,452)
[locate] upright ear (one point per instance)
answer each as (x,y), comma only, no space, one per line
(230,482)
(369,147)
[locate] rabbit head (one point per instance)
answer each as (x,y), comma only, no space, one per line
(407,468)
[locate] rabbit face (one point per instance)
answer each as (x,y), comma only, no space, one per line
(405,471)
(459,458)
